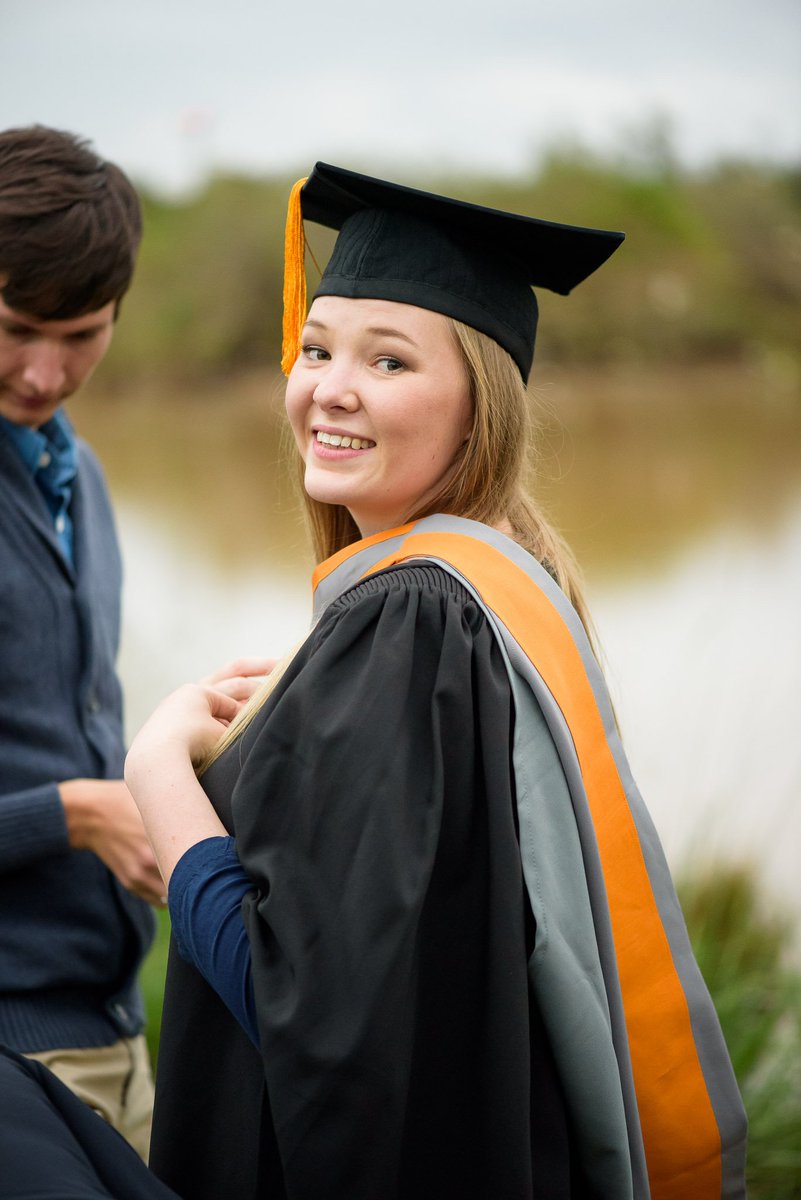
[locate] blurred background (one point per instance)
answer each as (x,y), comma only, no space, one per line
(669,385)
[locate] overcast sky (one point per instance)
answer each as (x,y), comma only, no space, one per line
(171,88)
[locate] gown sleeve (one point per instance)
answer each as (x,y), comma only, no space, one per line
(387,918)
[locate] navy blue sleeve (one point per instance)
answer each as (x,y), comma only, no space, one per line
(205,901)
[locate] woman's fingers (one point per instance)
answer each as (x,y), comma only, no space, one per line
(239,688)
(223,703)
(245,668)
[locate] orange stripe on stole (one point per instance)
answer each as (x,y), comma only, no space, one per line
(676,1115)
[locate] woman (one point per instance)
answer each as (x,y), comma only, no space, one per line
(440,956)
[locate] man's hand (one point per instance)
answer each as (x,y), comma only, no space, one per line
(102,817)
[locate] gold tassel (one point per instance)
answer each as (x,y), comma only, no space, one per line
(294,280)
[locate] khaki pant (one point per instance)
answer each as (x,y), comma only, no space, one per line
(116,1081)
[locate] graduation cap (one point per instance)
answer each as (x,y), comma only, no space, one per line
(472,263)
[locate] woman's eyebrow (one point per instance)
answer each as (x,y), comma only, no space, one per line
(374,330)
(387,331)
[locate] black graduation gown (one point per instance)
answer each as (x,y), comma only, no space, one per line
(373,807)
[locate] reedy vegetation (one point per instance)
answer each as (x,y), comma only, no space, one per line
(710,270)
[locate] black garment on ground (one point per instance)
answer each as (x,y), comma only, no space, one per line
(373,805)
(54,1147)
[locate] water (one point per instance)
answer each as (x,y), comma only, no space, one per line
(704,662)
(690,534)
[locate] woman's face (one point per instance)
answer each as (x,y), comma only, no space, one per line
(379,405)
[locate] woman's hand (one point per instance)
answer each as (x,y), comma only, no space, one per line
(192,719)
(184,726)
(160,767)
(247,671)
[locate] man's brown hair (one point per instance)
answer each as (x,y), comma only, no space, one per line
(70,225)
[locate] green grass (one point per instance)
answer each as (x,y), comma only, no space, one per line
(744,951)
(151,981)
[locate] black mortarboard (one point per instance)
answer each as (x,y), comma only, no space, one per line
(472,263)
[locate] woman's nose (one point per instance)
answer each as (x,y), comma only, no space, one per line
(336,388)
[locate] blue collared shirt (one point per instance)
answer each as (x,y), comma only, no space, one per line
(50,454)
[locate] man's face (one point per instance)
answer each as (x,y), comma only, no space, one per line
(44,362)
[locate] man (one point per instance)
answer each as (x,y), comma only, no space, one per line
(76,870)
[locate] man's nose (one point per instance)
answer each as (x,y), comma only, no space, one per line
(44,370)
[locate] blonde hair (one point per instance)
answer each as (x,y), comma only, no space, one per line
(488,483)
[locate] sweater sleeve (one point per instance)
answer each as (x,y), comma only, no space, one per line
(32,826)
(205,900)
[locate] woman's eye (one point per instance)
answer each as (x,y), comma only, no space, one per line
(316,353)
(389,365)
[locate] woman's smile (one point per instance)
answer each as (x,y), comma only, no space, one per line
(332,443)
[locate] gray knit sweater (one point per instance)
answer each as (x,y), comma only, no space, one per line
(71,938)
